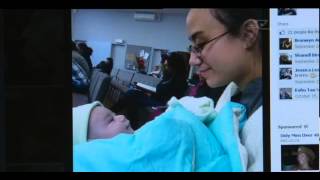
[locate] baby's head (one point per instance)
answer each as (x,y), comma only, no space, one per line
(103,123)
(94,121)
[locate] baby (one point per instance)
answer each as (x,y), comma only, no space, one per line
(189,134)
(94,121)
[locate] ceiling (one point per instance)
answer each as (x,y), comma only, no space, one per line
(168,11)
(162,11)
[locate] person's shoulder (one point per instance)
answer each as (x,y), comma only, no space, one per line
(102,63)
(77,55)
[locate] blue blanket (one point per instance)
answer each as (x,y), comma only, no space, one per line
(176,141)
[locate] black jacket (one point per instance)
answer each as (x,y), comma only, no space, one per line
(168,88)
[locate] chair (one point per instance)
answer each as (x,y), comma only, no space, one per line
(115,90)
(99,85)
(93,78)
(145,79)
(124,77)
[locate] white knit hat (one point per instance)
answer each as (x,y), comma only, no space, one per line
(80,119)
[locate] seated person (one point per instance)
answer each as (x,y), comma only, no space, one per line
(174,80)
(80,81)
(80,85)
(156,71)
(86,52)
(80,78)
(189,136)
(135,103)
(80,60)
(106,66)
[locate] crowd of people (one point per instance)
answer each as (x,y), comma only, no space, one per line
(82,68)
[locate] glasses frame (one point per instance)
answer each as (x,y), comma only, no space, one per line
(197,49)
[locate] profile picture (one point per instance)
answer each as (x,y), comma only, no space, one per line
(285,43)
(287,11)
(285,59)
(285,93)
(313,75)
(300,157)
(285,73)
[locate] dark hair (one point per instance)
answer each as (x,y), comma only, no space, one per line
(233,19)
(110,59)
(74,46)
(164,57)
(85,49)
(178,62)
(82,45)
(90,50)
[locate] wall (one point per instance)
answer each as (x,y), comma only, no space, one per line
(108,25)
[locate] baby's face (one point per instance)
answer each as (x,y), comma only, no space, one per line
(103,124)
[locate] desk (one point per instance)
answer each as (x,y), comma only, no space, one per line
(146,87)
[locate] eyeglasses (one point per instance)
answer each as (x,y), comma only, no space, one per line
(197,49)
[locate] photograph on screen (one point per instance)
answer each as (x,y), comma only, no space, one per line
(300,157)
(287,11)
(285,43)
(285,73)
(285,59)
(285,93)
(166,105)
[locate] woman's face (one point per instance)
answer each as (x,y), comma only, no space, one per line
(222,60)
(302,158)
(105,124)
